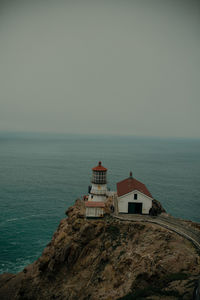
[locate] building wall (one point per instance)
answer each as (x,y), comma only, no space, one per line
(98,189)
(97,198)
(141,198)
(94,212)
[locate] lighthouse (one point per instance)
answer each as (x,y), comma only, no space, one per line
(98,189)
(95,206)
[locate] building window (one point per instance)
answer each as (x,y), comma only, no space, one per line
(135,196)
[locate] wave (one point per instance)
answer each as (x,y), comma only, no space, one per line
(28,217)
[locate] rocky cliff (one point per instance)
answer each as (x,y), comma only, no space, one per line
(107,259)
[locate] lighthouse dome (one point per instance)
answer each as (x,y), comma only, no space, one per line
(99,168)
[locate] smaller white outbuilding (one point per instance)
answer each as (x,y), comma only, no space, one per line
(94,209)
(133,197)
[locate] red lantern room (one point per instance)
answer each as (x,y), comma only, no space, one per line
(99,174)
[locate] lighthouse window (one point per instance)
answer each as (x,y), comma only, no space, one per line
(99,177)
(135,196)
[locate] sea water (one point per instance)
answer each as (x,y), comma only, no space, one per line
(42,175)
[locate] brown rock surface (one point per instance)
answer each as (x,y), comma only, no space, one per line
(157,208)
(107,259)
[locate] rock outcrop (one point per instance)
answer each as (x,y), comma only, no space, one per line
(107,259)
(157,208)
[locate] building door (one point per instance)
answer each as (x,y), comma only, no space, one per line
(134,208)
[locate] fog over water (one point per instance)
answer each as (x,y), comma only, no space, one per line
(100,67)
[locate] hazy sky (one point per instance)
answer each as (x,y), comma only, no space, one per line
(113,66)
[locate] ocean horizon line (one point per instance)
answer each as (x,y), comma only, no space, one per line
(62,135)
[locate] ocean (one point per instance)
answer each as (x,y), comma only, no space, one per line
(41,175)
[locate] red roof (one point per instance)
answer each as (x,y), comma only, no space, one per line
(130,184)
(99,167)
(94,204)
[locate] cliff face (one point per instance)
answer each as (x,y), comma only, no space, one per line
(107,259)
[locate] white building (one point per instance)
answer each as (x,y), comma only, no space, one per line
(98,192)
(94,209)
(133,197)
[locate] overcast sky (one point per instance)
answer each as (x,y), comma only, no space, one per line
(101,67)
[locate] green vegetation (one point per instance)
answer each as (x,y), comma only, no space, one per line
(175,276)
(101,266)
(140,294)
(117,244)
(121,253)
(113,231)
(157,287)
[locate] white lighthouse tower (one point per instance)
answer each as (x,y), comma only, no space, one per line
(95,206)
(98,190)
